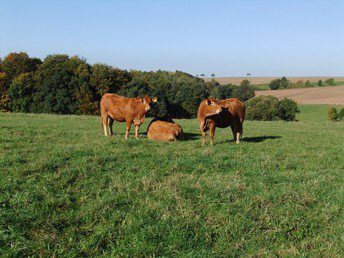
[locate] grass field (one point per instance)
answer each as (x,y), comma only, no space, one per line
(65,190)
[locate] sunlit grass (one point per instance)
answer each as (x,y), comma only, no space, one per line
(66,190)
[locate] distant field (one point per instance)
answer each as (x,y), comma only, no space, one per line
(319,95)
(68,191)
(266,80)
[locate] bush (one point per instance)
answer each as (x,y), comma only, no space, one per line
(308,84)
(263,108)
(320,83)
(274,84)
(332,114)
(287,109)
(341,114)
(329,81)
(268,108)
(279,83)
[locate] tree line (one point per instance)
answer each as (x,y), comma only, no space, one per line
(69,85)
(284,83)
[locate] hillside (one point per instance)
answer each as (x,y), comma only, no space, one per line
(319,95)
(265,80)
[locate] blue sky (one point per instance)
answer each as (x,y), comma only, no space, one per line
(228,38)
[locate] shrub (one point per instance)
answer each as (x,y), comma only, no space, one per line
(332,114)
(308,84)
(267,108)
(287,109)
(329,81)
(262,108)
(279,83)
(274,84)
(320,83)
(341,114)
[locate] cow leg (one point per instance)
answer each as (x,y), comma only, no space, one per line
(234,131)
(110,123)
(203,137)
(137,127)
(104,123)
(212,133)
(238,132)
(128,125)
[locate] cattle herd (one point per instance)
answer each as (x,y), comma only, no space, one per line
(211,113)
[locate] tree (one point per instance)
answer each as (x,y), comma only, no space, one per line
(222,91)
(15,64)
(329,81)
(213,75)
(284,82)
(106,79)
(320,83)
(12,66)
(275,84)
(243,92)
(58,79)
(21,92)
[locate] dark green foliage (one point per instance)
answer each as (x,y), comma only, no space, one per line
(21,92)
(12,66)
(308,84)
(279,83)
(329,81)
(267,108)
(320,83)
(332,114)
(287,109)
(274,84)
(222,91)
(106,79)
(262,108)
(59,81)
(243,92)
(341,114)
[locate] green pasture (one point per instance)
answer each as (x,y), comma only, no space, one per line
(66,190)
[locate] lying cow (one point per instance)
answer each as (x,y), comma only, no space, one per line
(224,113)
(164,129)
(122,109)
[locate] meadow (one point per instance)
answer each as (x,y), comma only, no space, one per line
(66,190)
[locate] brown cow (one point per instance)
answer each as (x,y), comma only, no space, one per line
(122,109)
(164,129)
(232,114)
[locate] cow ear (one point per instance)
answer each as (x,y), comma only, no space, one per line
(155,99)
(208,102)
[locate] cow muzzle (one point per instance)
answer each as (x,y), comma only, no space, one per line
(147,108)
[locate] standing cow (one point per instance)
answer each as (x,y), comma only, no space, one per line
(122,109)
(232,113)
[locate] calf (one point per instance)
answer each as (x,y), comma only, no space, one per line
(122,109)
(164,129)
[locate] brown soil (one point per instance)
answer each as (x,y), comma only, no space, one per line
(321,95)
(265,80)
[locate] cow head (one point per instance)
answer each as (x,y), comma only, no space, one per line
(146,101)
(212,107)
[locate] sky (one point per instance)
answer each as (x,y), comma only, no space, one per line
(227,38)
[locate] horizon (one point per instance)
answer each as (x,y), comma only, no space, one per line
(264,38)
